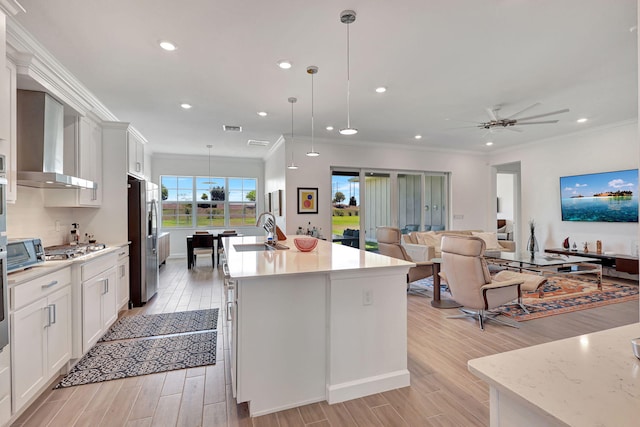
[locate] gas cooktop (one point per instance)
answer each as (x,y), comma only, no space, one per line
(62,252)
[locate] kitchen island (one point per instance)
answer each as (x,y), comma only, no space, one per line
(330,324)
(588,380)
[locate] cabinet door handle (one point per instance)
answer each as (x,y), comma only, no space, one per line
(122,271)
(48,285)
(225,269)
(48,308)
(229,305)
(122,253)
(137,166)
(53,306)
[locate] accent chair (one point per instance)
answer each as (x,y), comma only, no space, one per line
(389,244)
(465,271)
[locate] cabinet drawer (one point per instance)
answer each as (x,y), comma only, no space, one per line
(28,292)
(123,252)
(95,267)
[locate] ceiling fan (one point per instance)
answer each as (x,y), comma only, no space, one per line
(498,122)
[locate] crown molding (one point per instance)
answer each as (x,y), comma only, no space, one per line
(11,7)
(272,150)
(37,67)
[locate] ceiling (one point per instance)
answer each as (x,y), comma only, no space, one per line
(443,61)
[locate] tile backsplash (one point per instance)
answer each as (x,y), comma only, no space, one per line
(29,218)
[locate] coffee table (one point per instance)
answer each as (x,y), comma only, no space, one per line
(547,264)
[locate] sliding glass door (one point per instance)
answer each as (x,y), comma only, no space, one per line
(364,199)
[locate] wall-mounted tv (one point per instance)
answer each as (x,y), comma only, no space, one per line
(600,197)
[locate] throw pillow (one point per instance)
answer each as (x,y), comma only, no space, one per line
(490,240)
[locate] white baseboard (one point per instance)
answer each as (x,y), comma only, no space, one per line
(364,387)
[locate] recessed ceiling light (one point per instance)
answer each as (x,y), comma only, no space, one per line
(418,137)
(329,127)
(167,45)
(489,143)
(262,113)
(381,89)
(285,65)
(185,105)
(582,120)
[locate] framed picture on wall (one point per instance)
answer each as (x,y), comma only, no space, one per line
(276,202)
(307,200)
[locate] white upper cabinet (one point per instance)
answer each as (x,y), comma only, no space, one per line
(135,152)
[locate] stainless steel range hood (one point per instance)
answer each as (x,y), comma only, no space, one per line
(41,143)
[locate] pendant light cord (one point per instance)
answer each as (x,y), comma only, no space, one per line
(312,149)
(292,139)
(348,82)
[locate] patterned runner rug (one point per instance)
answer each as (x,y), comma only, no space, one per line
(562,294)
(151,325)
(110,361)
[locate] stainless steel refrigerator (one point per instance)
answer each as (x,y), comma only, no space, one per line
(143,235)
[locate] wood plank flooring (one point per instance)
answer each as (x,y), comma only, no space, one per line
(442,392)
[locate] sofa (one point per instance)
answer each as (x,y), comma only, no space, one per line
(425,245)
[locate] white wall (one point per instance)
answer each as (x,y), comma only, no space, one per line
(274,177)
(171,164)
(544,162)
(470,179)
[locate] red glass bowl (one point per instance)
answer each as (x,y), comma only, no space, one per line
(305,244)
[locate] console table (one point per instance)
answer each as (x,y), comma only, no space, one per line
(622,263)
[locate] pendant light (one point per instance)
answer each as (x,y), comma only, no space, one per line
(347,17)
(312,69)
(292,166)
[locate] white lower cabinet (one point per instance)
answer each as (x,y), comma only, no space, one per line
(123,278)
(5,385)
(40,333)
(99,304)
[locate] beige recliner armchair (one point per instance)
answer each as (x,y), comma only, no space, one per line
(389,244)
(465,270)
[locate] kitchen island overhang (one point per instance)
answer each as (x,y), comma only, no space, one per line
(330,324)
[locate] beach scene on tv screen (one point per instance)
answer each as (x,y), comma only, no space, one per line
(602,197)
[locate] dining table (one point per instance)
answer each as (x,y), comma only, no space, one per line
(217,235)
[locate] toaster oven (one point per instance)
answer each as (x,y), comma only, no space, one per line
(24,253)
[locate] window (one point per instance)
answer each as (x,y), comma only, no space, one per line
(201,202)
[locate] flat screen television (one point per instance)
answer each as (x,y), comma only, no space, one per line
(600,197)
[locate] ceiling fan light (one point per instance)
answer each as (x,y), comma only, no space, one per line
(348,131)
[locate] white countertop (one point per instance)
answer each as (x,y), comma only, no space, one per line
(326,257)
(33,272)
(589,380)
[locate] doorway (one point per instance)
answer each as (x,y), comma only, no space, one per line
(507,179)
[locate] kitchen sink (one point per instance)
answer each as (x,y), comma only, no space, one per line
(254,247)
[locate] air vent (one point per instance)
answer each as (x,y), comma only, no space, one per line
(257,143)
(228,128)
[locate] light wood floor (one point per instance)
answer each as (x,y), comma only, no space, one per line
(442,392)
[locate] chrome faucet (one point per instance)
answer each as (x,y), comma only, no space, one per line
(269,226)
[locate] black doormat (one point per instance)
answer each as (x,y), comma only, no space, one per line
(151,325)
(110,361)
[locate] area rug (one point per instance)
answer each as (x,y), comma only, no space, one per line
(562,294)
(110,361)
(151,325)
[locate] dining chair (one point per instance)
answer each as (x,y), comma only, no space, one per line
(225,233)
(202,243)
